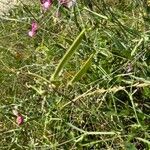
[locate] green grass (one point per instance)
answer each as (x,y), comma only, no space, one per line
(107,104)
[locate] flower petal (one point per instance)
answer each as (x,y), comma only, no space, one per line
(46,4)
(34,26)
(67,3)
(19,119)
(31,33)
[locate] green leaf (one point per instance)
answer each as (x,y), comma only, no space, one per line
(136,47)
(96,14)
(83,70)
(68,55)
(143,140)
(130,146)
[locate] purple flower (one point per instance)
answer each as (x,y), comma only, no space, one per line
(33,30)
(46,4)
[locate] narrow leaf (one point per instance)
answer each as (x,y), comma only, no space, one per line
(68,55)
(143,140)
(136,47)
(96,14)
(83,70)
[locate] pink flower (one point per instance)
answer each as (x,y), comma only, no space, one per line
(46,4)
(31,33)
(34,26)
(67,3)
(19,119)
(33,30)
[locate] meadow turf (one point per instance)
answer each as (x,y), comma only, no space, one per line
(82,82)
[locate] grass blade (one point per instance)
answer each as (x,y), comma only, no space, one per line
(92,132)
(136,47)
(96,14)
(143,140)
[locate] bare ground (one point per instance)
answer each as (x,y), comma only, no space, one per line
(6,5)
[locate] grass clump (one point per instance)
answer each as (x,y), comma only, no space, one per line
(107,104)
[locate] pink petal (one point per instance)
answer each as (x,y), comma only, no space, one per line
(19,120)
(67,3)
(34,26)
(33,30)
(46,4)
(31,33)
(71,3)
